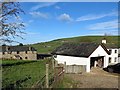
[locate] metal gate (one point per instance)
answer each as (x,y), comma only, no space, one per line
(75,68)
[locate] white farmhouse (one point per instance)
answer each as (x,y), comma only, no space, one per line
(114,52)
(113,57)
(84,54)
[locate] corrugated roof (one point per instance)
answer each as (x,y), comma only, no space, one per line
(80,50)
(16,48)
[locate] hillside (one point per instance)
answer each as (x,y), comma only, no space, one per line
(47,47)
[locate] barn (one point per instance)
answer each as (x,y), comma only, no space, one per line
(81,57)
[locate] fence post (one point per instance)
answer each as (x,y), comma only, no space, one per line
(47,79)
(64,66)
(53,64)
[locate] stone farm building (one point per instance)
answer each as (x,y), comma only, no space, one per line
(18,52)
(85,56)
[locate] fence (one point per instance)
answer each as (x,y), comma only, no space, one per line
(75,68)
(53,76)
(58,76)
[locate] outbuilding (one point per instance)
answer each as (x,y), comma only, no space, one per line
(81,57)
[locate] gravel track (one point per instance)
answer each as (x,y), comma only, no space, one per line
(97,78)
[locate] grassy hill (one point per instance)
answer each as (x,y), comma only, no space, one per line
(47,47)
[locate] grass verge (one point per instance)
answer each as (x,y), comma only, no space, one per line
(66,82)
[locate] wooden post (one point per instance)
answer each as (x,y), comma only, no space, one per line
(47,79)
(56,63)
(53,64)
(64,66)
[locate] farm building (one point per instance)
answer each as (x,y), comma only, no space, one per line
(43,56)
(82,57)
(114,52)
(18,52)
(114,56)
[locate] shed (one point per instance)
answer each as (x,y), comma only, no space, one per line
(85,55)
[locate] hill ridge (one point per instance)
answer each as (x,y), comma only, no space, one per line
(48,47)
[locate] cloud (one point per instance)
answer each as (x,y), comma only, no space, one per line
(96,16)
(39,14)
(109,25)
(42,5)
(57,7)
(65,17)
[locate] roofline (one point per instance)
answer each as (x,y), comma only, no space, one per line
(105,48)
(113,48)
(94,50)
(19,46)
(102,45)
(70,55)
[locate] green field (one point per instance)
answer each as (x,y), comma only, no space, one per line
(23,75)
(48,47)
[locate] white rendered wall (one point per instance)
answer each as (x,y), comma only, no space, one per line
(100,52)
(119,54)
(118,59)
(70,60)
(113,55)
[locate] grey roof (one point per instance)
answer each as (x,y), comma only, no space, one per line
(16,48)
(112,46)
(79,50)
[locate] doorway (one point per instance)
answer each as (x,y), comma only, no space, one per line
(97,61)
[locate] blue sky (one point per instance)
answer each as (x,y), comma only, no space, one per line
(47,21)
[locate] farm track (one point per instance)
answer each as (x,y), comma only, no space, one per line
(97,78)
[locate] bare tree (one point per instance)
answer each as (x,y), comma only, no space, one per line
(10,24)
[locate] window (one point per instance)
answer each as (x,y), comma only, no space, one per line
(8,48)
(10,52)
(26,52)
(3,53)
(109,59)
(26,58)
(115,51)
(110,51)
(55,56)
(17,52)
(115,60)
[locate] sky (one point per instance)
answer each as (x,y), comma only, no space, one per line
(46,21)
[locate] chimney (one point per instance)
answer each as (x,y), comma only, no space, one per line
(104,41)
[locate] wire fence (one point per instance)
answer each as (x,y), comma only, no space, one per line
(53,76)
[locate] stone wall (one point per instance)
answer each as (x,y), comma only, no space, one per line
(24,55)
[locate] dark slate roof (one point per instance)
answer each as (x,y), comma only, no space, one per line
(79,50)
(111,46)
(16,48)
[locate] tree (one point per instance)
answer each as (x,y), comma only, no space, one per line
(20,44)
(10,24)
(4,45)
